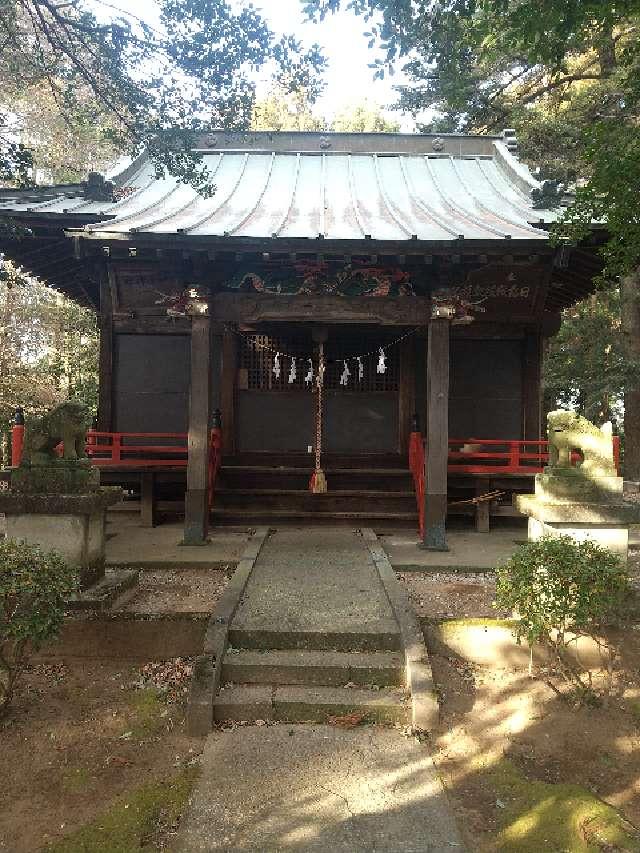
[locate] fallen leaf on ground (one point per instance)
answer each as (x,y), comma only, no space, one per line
(347,721)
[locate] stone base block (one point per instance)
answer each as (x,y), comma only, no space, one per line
(72,525)
(102,595)
(79,539)
(60,478)
(570,485)
(613,537)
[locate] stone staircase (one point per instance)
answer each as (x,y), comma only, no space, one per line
(307,676)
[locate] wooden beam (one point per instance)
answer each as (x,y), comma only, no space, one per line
(437,435)
(228,390)
(105,368)
(249,308)
(531,385)
(196,512)
(406,392)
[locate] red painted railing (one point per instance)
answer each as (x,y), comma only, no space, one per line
(485,456)
(416,464)
(151,450)
(137,449)
(498,456)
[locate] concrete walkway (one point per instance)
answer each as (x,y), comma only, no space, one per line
(314,579)
(315,597)
(318,788)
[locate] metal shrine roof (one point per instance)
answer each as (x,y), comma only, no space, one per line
(389,187)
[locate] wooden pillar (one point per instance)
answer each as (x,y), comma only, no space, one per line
(532,385)
(437,436)
(147,499)
(105,379)
(196,511)
(229,372)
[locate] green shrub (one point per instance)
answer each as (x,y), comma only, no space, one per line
(33,590)
(560,589)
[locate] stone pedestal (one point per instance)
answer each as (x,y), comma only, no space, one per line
(73,525)
(569,502)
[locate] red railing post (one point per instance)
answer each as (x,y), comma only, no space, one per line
(92,439)
(616,452)
(116,445)
(215,453)
(514,455)
(17,438)
(416,466)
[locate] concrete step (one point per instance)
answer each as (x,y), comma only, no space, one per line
(309,704)
(324,668)
(382,635)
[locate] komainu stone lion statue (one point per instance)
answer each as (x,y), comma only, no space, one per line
(569,432)
(67,423)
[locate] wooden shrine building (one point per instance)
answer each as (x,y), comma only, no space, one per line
(419,266)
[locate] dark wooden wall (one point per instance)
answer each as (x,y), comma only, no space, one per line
(151,383)
(485,397)
(492,387)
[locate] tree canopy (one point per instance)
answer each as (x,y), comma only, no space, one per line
(565,73)
(294,111)
(145,87)
(48,347)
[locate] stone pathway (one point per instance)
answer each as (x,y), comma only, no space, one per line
(314,579)
(320,789)
(314,635)
(315,639)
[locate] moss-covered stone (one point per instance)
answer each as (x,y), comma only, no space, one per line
(58,478)
(537,816)
(135,820)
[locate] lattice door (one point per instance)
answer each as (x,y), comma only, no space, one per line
(258,354)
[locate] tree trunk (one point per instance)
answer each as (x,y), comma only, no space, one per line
(607,53)
(630,304)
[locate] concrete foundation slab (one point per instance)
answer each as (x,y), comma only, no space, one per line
(468,550)
(130,544)
(318,788)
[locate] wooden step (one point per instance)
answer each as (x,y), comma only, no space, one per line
(261,515)
(302,666)
(330,460)
(309,704)
(298,500)
(292,478)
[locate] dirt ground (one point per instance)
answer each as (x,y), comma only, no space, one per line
(177,591)
(507,744)
(457,595)
(501,730)
(78,737)
(444,595)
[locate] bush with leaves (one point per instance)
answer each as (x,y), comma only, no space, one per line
(560,590)
(33,589)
